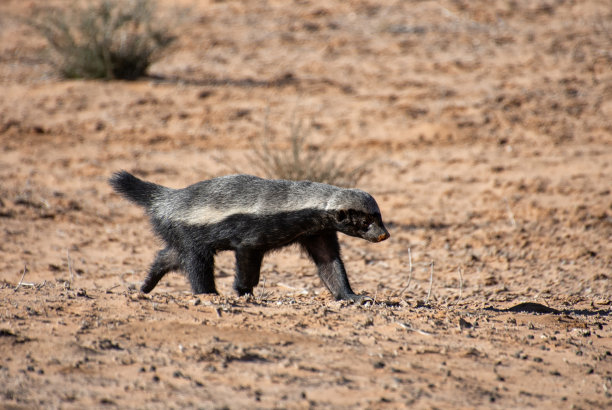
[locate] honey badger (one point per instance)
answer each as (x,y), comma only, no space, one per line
(251,216)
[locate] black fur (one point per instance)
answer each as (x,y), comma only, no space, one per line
(136,190)
(251,216)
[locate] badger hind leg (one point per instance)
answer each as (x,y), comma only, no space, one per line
(324,250)
(165,261)
(200,268)
(248,266)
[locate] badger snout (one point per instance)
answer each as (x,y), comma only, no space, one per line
(376,233)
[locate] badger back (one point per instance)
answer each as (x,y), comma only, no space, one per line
(214,200)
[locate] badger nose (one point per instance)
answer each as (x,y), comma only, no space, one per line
(382,236)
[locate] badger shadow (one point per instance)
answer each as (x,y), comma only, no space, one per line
(280,81)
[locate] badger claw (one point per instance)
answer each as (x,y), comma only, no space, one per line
(359,299)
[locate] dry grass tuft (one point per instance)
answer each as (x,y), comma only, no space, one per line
(305,162)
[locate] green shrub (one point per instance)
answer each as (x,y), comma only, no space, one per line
(107,39)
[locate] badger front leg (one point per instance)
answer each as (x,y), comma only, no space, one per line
(324,250)
(248,266)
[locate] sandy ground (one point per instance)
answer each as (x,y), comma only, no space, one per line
(486,127)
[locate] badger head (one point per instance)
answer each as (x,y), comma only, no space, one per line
(356,213)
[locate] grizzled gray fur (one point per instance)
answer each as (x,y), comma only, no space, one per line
(251,216)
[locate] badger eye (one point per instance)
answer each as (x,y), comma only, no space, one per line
(363,224)
(342,215)
(366,222)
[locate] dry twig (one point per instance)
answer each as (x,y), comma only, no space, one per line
(263,288)
(70,267)
(460,283)
(412,329)
(431,268)
(112,287)
(22,276)
(293,288)
(409,272)
(510,213)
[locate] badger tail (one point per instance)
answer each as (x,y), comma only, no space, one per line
(140,192)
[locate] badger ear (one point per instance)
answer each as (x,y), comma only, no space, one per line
(341,215)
